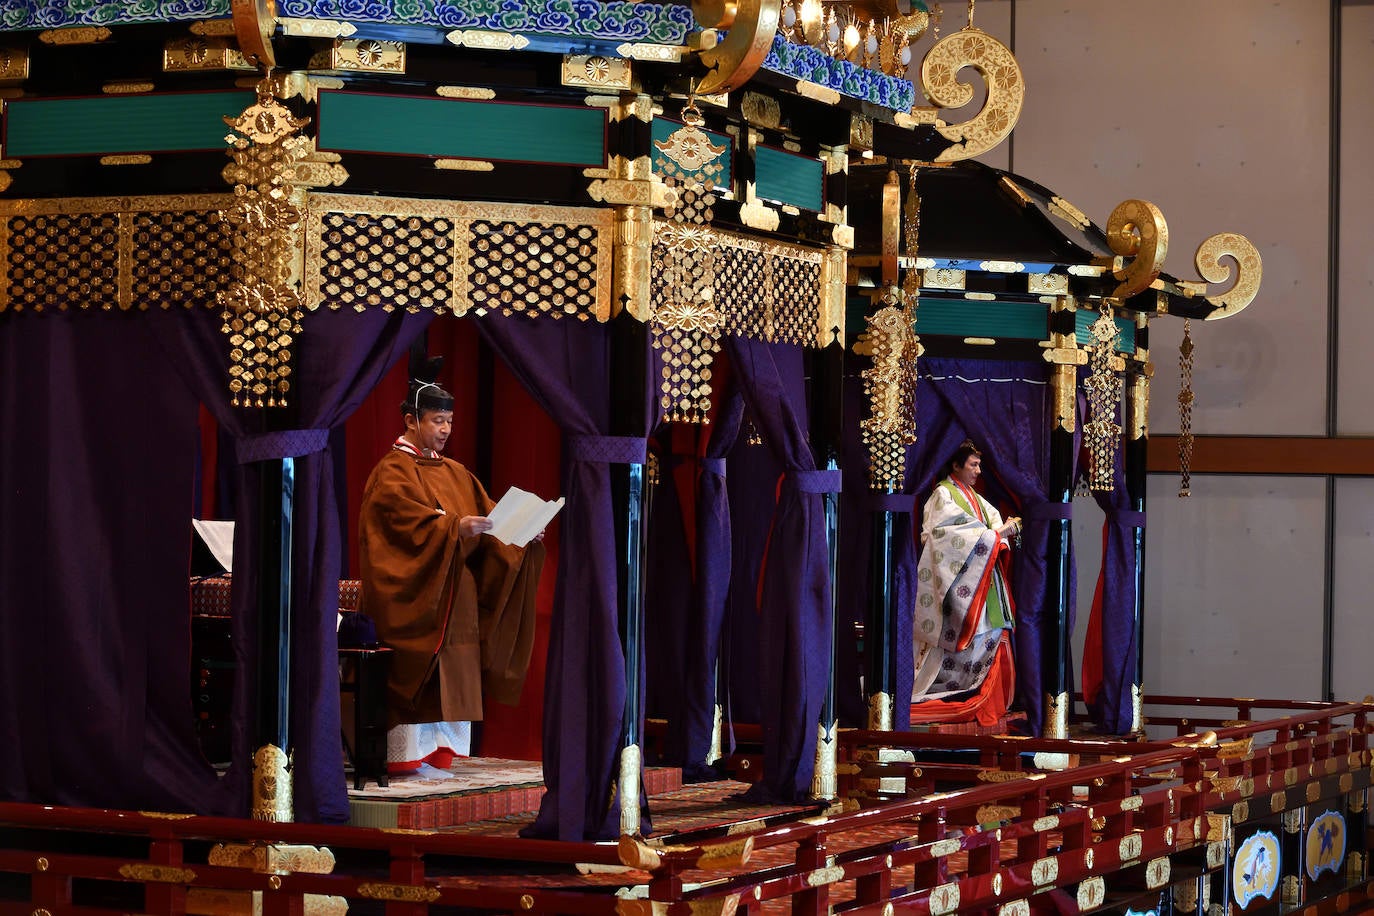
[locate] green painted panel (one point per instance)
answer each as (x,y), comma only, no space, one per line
(662,128)
(462,129)
(107,125)
(789,178)
(1083,321)
(973,318)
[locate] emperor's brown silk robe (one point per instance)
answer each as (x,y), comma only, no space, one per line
(458,612)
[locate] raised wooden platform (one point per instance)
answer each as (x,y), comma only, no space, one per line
(473,789)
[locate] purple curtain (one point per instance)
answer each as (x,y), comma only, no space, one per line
(1003,407)
(670,597)
(566,367)
(1111,709)
(793,652)
(340,357)
(858,507)
(714,555)
(97,450)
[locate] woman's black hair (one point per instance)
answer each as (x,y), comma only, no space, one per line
(963,453)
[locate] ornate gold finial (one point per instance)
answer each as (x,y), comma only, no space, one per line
(750,26)
(1185,409)
(272,785)
(1249,271)
(1006,90)
(261,302)
(1136,230)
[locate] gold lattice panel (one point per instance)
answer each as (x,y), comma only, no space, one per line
(533,268)
(767,290)
(121,252)
(179,257)
(453,256)
(394,262)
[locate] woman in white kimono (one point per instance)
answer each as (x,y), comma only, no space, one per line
(964,609)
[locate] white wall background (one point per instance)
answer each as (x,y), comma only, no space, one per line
(1220,113)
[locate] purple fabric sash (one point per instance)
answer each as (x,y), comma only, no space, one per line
(607,449)
(286,443)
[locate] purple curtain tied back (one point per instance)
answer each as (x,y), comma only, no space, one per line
(608,449)
(818,481)
(286,443)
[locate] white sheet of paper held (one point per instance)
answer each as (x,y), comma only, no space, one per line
(520,515)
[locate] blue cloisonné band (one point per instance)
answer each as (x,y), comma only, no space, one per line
(654,23)
(57,14)
(812,65)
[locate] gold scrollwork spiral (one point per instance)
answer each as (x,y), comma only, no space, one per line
(1249,272)
(751,25)
(1006,90)
(1137,230)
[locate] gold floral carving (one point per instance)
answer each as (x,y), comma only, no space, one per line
(627,790)
(943,278)
(399,893)
(465,92)
(317,28)
(368,55)
(272,785)
(880,712)
(1249,271)
(218,28)
(14,65)
(1137,230)
(487,41)
(262,301)
(597,72)
(1045,871)
(126,88)
(762,111)
(944,899)
(824,783)
(1014,908)
(197,52)
(1069,213)
(1048,284)
(633,255)
(1006,90)
(1056,716)
(127,159)
(1091,893)
(157,874)
(831,319)
(665,54)
(1157,872)
(464,165)
(80,35)
(750,26)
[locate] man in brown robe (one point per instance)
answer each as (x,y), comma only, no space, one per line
(455,605)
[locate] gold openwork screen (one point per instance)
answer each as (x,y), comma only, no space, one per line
(112,253)
(456,257)
(768,291)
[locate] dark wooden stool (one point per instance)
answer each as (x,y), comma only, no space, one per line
(362,672)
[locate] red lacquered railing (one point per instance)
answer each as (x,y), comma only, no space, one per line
(1010,832)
